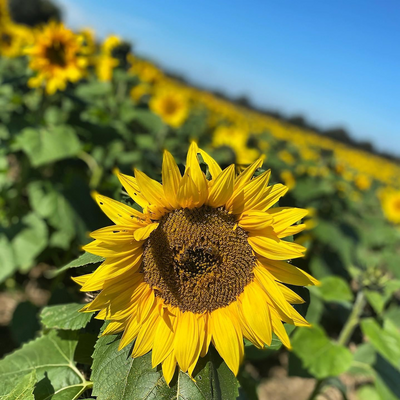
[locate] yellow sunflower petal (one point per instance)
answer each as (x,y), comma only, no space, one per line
(188,195)
(242,180)
(145,338)
(287,273)
(132,187)
(130,333)
(222,189)
(255,220)
(196,355)
(227,337)
(186,339)
(290,296)
(144,233)
(115,233)
(275,248)
(171,178)
(163,343)
(284,217)
(151,190)
(259,321)
(266,281)
(207,336)
(292,230)
(117,212)
(114,327)
(213,166)
(81,280)
(169,367)
(251,195)
(271,195)
(197,174)
(279,329)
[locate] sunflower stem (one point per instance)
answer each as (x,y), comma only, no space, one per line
(317,389)
(94,167)
(353,319)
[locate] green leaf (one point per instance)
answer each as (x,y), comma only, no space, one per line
(378,300)
(65,316)
(84,259)
(30,241)
(43,146)
(7,259)
(24,389)
(52,357)
(368,392)
(386,341)
(320,356)
(116,375)
(149,120)
(51,204)
(333,289)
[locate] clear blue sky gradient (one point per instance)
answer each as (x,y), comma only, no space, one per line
(336,62)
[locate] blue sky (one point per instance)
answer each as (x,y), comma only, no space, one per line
(336,62)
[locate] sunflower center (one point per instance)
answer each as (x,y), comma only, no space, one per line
(56,54)
(6,39)
(170,106)
(197,261)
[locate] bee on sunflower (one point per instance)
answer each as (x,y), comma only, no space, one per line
(56,58)
(204,262)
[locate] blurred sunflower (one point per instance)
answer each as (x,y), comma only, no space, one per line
(105,62)
(204,262)
(56,58)
(13,39)
(390,200)
(236,138)
(363,182)
(288,178)
(171,105)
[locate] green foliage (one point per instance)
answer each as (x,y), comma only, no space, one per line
(65,316)
(84,259)
(320,356)
(117,375)
(52,357)
(43,146)
(24,389)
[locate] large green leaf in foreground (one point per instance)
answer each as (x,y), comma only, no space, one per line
(52,357)
(65,316)
(117,376)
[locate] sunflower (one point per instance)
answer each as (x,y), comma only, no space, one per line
(56,58)
(235,138)
(204,262)
(13,39)
(390,199)
(171,105)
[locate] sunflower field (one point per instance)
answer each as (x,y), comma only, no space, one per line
(160,242)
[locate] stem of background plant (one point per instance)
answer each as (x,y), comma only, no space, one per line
(94,167)
(317,388)
(353,319)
